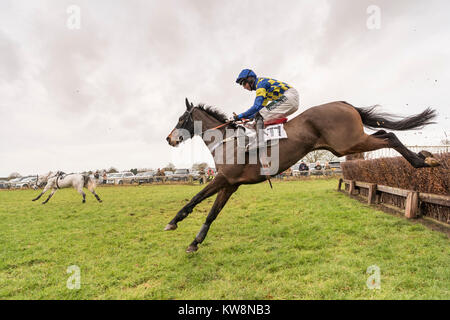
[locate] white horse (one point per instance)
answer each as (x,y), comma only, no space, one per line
(61,180)
(41,180)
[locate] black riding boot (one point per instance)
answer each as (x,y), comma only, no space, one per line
(259,130)
(262,148)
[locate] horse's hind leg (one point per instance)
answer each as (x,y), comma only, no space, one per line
(218,205)
(422,159)
(382,139)
(92,190)
(212,188)
(378,133)
(80,191)
(96,196)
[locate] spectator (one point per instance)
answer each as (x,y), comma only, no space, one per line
(202,178)
(303,168)
(210,173)
(104,177)
(327,169)
(318,166)
(159,174)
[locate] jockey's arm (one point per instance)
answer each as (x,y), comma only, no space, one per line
(261,93)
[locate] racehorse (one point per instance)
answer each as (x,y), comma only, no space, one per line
(60,180)
(41,180)
(336,127)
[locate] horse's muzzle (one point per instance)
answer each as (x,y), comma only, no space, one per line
(174,142)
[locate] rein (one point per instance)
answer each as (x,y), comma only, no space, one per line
(219,126)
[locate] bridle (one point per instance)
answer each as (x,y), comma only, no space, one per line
(191,120)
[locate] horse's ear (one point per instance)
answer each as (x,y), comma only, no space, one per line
(188,106)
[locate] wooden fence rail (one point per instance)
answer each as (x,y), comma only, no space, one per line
(412,199)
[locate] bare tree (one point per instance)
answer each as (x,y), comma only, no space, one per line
(199,166)
(14,175)
(169,167)
(318,155)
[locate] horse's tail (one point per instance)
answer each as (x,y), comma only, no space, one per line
(375,120)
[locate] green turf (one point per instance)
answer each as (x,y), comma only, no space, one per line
(303,240)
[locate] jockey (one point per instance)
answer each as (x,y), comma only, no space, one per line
(283,97)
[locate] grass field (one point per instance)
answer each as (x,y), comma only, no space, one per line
(303,240)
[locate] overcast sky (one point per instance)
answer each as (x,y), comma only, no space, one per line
(108,94)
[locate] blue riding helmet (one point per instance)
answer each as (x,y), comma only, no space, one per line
(245,74)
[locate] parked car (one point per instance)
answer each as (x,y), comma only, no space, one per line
(4,184)
(121,178)
(16,183)
(180,175)
(145,177)
(169,175)
(335,166)
(26,182)
(195,175)
(12,182)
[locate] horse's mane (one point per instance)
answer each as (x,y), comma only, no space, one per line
(214,112)
(217,114)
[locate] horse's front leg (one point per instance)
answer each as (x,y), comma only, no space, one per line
(50,195)
(212,188)
(42,193)
(218,205)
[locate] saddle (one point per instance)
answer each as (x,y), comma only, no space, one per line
(273,130)
(275,121)
(59,176)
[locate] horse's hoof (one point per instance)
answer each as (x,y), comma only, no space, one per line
(432,162)
(170,227)
(100,201)
(191,249)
